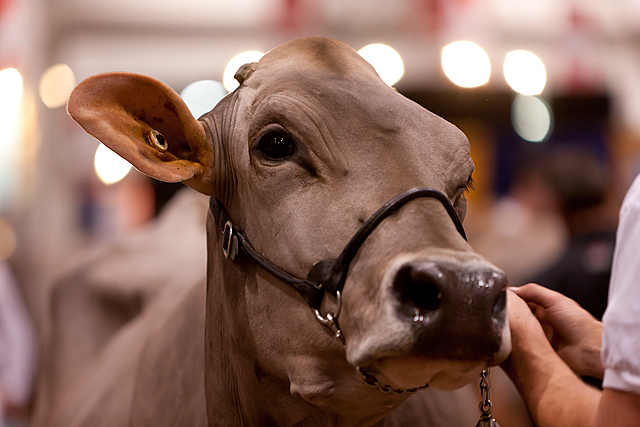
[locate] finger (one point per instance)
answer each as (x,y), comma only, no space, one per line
(543,317)
(515,303)
(533,306)
(538,311)
(522,322)
(518,308)
(538,294)
(548,331)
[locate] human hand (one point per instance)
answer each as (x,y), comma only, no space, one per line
(573,333)
(527,335)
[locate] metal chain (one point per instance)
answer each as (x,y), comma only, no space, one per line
(485,406)
(371,380)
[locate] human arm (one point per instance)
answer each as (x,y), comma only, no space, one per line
(553,394)
(621,343)
(619,408)
(574,333)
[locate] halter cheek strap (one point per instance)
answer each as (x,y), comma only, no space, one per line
(327,275)
(234,243)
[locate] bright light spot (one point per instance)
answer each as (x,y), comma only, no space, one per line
(10,88)
(109,166)
(525,72)
(11,125)
(202,96)
(56,85)
(8,240)
(466,64)
(385,60)
(531,118)
(236,62)
(10,96)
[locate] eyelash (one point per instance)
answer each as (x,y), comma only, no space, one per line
(471,185)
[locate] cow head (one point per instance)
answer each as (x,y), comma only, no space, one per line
(301,154)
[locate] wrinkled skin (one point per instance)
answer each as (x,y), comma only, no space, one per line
(356,143)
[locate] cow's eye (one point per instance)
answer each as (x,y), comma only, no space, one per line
(276,146)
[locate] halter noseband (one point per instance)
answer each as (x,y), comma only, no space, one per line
(327,275)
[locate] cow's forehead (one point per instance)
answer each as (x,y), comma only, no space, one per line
(331,78)
(326,83)
(325,55)
(297,63)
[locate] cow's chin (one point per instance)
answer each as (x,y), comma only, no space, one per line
(407,372)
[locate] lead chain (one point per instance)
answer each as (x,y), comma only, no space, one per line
(371,380)
(485,406)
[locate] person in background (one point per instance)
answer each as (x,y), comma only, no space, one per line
(578,182)
(522,232)
(17,352)
(554,339)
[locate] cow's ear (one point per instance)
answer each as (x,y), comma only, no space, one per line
(147,123)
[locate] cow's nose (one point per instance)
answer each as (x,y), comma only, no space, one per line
(456,308)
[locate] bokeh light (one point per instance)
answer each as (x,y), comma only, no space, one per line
(236,62)
(466,64)
(11,89)
(10,97)
(56,84)
(531,117)
(525,72)
(202,96)
(11,127)
(387,62)
(109,166)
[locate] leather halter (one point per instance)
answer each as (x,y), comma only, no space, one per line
(327,275)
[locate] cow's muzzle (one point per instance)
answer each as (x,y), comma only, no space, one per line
(456,311)
(441,319)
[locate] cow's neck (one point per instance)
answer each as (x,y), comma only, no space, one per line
(241,392)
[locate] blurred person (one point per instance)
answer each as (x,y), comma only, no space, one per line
(522,232)
(579,184)
(17,351)
(554,339)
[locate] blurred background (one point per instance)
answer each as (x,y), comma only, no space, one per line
(547,91)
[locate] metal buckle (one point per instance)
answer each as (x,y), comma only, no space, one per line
(229,242)
(331,319)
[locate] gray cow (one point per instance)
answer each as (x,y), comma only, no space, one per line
(305,324)
(111,305)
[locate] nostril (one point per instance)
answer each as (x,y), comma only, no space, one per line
(499,305)
(417,291)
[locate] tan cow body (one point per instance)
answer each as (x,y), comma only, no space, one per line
(301,154)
